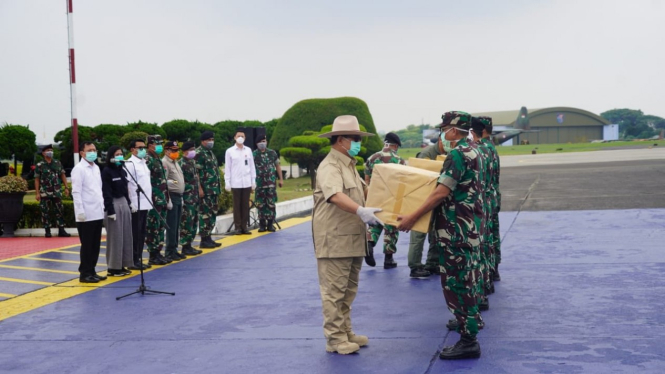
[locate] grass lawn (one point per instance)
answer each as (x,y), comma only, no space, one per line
(293,189)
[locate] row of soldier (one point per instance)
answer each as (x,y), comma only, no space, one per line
(159,197)
(464,240)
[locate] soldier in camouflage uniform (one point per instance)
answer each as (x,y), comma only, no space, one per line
(268,170)
(495,167)
(388,155)
(457,217)
(189,222)
(208,171)
(160,200)
(48,174)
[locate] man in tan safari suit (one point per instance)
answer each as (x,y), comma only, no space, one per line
(338,228)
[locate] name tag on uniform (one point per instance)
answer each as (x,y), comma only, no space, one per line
(117,179)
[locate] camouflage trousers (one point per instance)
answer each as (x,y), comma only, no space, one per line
(48,204)
(459,278)
(390,237)
(265,199)
(496,240)
(154,232)
(486,258)
(189,222)
(208,206)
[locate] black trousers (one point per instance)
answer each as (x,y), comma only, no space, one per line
(90,234)
(138,233)
(241,207)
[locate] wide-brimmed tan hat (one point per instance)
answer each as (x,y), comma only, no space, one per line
(345,125)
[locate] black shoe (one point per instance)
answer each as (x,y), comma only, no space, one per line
(47,233)
(466,347)
(419,273)
(215,243)
(182,255)
(100,277)
(126,271)
(434,269)
(369,258)
(88,279)
(164,258)
(189,251)
(271,227)
(484,304)
(115,273)
(262,225)
(62,233)
(138,266)
(207,243)
(174,257)
(246,232)
(388,262)
(156,259)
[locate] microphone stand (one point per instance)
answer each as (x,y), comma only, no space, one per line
(142,287)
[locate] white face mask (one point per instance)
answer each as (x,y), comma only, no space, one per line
(240,140)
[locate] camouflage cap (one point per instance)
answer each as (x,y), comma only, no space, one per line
(458,119)
(154,139)
(487,121)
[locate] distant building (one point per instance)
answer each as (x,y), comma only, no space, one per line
(553,125)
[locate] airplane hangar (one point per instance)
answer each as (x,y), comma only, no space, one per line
(553,125)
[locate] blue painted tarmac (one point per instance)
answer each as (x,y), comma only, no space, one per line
(581,293)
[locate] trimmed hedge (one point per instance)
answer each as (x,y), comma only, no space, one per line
(314,114)
(32,215)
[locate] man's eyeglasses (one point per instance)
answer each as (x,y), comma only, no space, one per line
(139,148)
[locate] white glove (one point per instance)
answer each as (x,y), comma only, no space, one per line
(172,182)
(253,186)
(112,216)
(367,215)
(133,208)
(169,205)
(228,188)
(80,217)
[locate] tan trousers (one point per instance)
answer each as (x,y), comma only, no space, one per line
(338,282)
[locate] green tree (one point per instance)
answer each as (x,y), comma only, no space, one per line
(313,114)
(183,130)
(106,135)
(146,127)
(64,137)
(17,141)
(132,135)
(634,123)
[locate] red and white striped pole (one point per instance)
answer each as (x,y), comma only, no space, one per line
(72,80)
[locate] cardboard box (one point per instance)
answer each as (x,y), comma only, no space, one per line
(400,190)
(441,158)
(423,163)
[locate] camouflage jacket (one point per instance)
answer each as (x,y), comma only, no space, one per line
(458,217)
(208,168)
(49,175)
(385,156)
(266,167)
(191,194)
(495,170)
(484,157)
(160,193)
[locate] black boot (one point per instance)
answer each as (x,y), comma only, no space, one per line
(496,277)
(206,242)
(466,347)
(369,258)
(271,227)
(262,225)
(484,304)
(47,233)
(214,242)
(388,262)
(62,233)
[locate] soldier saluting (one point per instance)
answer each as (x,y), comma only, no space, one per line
(48,174)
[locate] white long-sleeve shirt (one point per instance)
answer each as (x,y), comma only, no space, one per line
(239,170)
(87,191)
(139,170)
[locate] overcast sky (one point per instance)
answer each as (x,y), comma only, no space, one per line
(212,60)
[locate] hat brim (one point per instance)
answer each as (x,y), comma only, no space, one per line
(343,132)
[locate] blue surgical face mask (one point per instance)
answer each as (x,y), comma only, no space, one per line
(355,149)
(91,156)
(159,148)
(141,153)
(118,158)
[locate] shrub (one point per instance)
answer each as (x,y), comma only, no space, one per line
(12,183)
(32,215)
(225,199)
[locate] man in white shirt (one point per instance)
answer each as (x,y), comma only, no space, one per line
(141,206)
(89,210)
(240,177)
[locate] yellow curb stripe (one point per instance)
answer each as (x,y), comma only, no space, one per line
(49,295)
(25,281)
(6,295)
(38,269)
(78,253)
(55,260)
